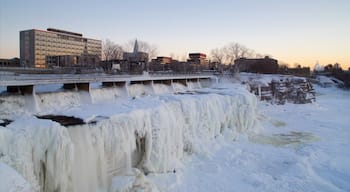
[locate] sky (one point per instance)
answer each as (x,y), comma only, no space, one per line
(293,31)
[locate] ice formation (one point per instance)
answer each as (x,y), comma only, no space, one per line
(11,181)
(150,133)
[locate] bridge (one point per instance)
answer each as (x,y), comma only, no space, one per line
(25,83)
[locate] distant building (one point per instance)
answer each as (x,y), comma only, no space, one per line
(14,62)
(160,64)
(136,60)
(265,65)
(197,62)
(297,71)
(198,58)
(136,55)
(162,60)
(58,48)
(182,67)
(115,66)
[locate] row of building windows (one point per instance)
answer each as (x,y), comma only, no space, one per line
(66,48)
(59,38)
(46,35)
(53,48)
(65,45)
(66,51)
(57,46)
(43,54)
(53,41)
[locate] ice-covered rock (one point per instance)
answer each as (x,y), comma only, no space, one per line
(280,89)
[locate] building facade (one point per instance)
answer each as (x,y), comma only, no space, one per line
(198,58)
(136,56)
(197,62)
(137,60)
(58,48)
(161,64)
(265,65)
(14,62)
(162,60)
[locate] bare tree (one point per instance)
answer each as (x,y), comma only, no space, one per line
(111,50)
(235,51)
(228,54)
(143,46)
(218,55)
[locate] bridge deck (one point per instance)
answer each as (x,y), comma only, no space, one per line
(23,80)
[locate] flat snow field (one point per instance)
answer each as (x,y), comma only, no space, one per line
(300,148)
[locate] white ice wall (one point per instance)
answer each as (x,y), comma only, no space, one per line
(154,139)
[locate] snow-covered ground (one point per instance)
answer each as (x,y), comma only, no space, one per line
(301,148)
(203,139)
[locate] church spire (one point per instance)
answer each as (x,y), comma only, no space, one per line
(136,47)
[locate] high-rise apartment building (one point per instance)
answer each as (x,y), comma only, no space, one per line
(58,48)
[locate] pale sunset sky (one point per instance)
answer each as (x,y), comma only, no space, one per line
(292,31)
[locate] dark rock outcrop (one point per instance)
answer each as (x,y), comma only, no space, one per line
(63,120)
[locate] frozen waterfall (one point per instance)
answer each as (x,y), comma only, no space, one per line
(151,133)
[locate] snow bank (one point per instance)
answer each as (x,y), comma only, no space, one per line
(325,81)
(149,133)
(11,181)
(40,151)
(133,183)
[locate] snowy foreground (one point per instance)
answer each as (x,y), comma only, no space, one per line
(300,148)
(149,139)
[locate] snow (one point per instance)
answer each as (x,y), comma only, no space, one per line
(11,181)
(301,148)
(146,131)
(176,138)
(325,81)
(135,182)
(263,79)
